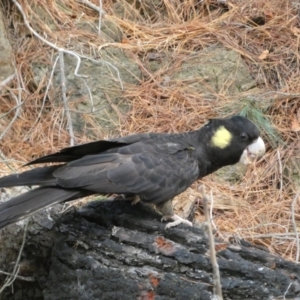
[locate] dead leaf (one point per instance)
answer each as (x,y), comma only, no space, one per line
(264,55)
(220,247)
(296,31)
(295,126)
(269,14)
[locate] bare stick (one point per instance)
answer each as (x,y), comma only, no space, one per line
(90,95)
(6,161)
(295,226)
(47,42)
(44,98)
(217,288)
(64,96)
(7,80)
(92,6)
(287,290)
(29,279)
(280,172)
(18,106)
(14,274)
(100,17)
(76,55)
(281,94)
(211,210)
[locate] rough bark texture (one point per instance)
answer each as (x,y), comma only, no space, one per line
(113,250)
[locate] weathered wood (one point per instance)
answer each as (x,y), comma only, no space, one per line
(113,250)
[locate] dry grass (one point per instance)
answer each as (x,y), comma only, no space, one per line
(258,207)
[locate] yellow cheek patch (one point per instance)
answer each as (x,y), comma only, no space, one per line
(221,138)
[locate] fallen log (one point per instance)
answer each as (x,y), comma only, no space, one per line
(113,250)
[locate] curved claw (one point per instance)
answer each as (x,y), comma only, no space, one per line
(177,220)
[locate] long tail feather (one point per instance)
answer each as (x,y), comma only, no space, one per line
(76,152)
(37,176)
(28,203)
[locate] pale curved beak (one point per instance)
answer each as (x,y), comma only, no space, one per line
(254,151)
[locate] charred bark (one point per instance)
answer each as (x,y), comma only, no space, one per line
(113,250)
